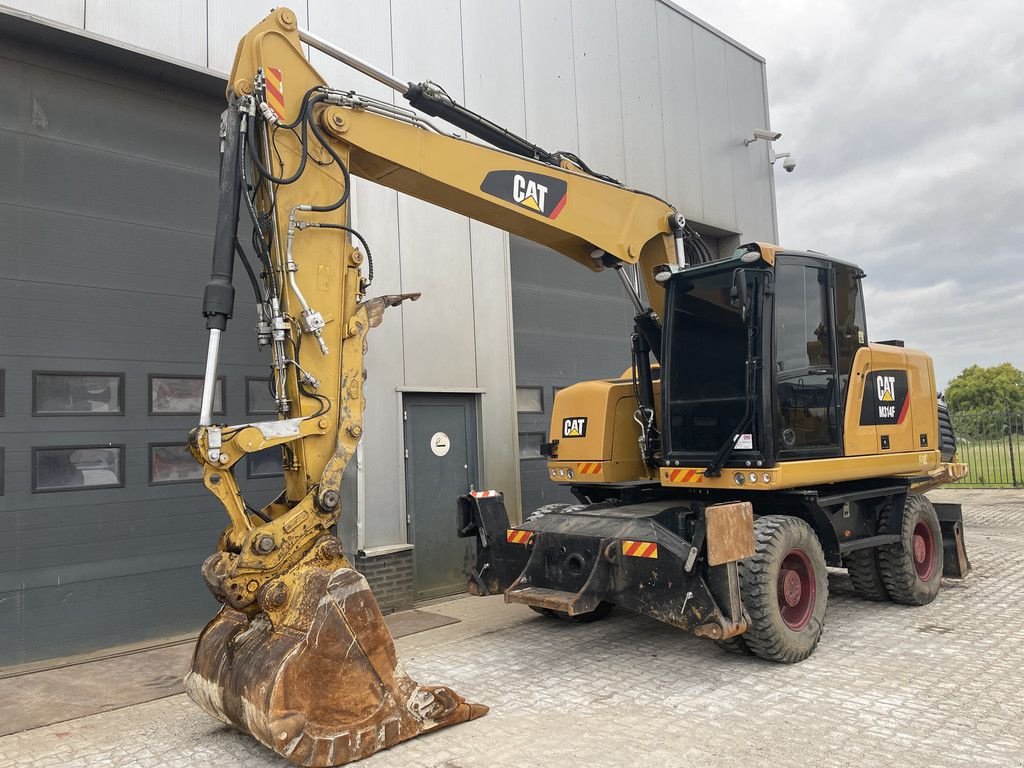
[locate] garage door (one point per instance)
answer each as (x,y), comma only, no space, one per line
(570,325)
(107,209)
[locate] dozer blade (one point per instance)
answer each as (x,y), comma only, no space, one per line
(316,678)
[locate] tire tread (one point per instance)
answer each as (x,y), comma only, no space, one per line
(895,561)
(865,577)
(762,638)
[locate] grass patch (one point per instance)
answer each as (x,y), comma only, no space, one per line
(989,462)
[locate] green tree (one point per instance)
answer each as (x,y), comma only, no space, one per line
(997,388)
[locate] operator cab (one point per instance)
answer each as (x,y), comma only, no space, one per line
(760,345)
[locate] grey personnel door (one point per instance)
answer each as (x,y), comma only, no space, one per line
(441,464)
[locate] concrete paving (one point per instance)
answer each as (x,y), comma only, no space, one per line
(78,687)
(888,686)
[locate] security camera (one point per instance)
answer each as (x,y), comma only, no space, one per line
(787,161)
(764,135)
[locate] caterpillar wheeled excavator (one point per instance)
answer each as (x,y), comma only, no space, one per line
(756,437)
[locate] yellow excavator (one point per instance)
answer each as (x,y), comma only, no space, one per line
(757,436)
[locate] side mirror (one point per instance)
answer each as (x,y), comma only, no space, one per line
(738,295)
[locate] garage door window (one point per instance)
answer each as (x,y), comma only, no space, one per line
(74,394)
(530,399)
(258,399)
(181,394)
(172,463)
(529,445)
(72,468)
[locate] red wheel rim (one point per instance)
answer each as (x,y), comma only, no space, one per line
(923,551)
(796,589)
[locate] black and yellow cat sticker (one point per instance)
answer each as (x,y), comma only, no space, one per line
(575,426)
(541,194)
(886,398)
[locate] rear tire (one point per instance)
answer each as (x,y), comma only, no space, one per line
(862,565)
(785,590)
(947,436)
(912,568)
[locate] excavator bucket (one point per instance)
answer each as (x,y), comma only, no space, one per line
(316,678)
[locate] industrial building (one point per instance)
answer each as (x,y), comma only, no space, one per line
(109,157)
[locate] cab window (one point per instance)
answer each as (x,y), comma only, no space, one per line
(851,330)
(804,366)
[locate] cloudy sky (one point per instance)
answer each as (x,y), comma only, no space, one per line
(906,120)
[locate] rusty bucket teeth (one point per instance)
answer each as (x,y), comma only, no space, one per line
(318,681)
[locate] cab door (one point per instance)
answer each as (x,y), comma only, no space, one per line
(807,403)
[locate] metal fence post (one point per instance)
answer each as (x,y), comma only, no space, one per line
(1009,437)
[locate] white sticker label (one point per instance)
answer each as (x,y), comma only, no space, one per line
(745,442)
(440,444)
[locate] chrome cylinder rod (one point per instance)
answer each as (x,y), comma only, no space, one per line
(677,223)
(353,61)
(680,251)
(631,291)
(210,378)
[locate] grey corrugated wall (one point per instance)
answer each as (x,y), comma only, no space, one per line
(106,216)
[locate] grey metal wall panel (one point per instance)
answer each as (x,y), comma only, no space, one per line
(375,215)
(175,29)
(751,169)
(493,64)
(642,121)
(495,360)
(595,45)
(361,28)
(548,79)
(226,22)
(680,118)
(70,12)
(439,341)
(108,226)
(716,144)
(435,248)
(492,50)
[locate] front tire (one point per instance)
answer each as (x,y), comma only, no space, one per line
(912,567)
(785,590)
